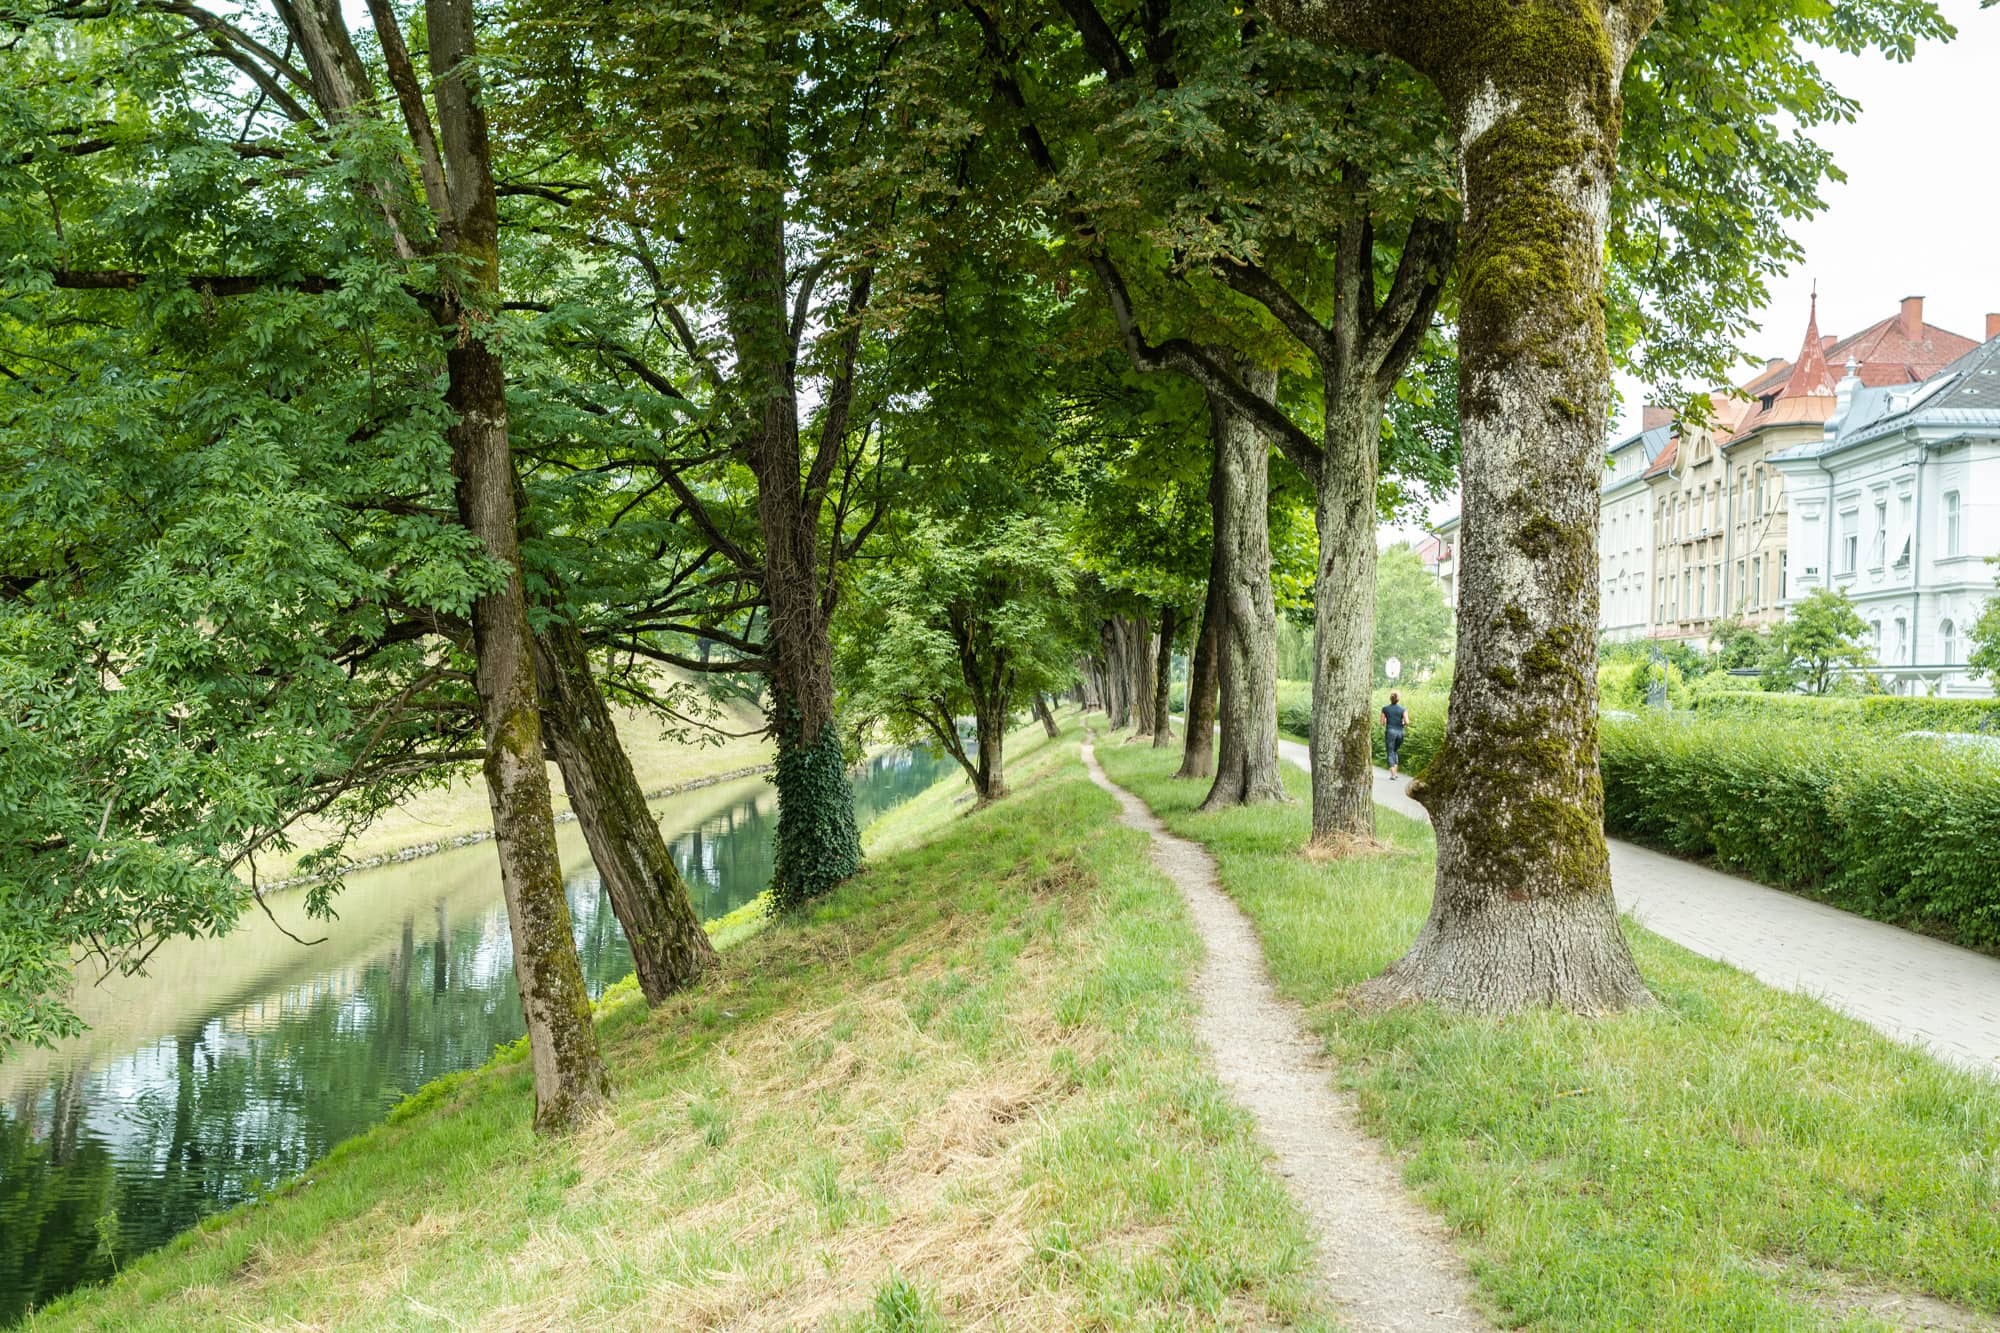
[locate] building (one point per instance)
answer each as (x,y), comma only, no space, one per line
(1446,568)
(1721,522)
(1625,534)
(1897,503)
(1695,524)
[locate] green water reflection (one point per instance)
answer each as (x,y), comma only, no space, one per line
(236,1063)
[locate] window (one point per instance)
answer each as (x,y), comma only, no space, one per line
(1948,641)
(1760,490)
(1784,562)
(1902,640)
(1756,582)
(1742,584)
(1879,540)
(1850,540)
(1717,603)
(1951,523)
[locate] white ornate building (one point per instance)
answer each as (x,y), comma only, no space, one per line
(1625,534)
(1898,504)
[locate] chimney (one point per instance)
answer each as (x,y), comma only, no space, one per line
(1992,326)
(1827,340)
(1913,318)
(1653,414)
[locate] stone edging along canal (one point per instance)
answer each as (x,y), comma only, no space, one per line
(417,851)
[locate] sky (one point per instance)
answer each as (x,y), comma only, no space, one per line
(1917,215)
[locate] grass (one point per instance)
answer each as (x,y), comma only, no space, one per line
(1739,1158)
(961,1090)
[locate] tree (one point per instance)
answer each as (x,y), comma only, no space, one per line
(444,242)
(1985,635)
(1817,638)
(769,183)
(1412,618)
(1737,645)
(1150,122)
(975,616)
(1536,95)
(1523,912)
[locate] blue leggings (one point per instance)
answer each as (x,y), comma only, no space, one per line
(1393,741)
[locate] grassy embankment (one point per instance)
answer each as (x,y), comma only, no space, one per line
(459,806)
(1739,1158)
(961,1089)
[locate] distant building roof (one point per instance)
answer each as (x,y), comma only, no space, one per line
(1663,462)
(1901,349)
(1965,393)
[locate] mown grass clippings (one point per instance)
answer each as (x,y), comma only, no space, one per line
(878,1115)
(1639,1171)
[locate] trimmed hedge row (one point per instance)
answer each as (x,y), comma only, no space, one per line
(1902,833)
(1876,712)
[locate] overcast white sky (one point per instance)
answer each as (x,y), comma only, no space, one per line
(1919,214)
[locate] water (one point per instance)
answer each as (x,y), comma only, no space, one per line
(234,1064)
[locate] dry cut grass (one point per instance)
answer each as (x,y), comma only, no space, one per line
(961,1092)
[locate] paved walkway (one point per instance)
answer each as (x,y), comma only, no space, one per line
(1918,990)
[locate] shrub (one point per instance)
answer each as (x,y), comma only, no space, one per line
(1295,707)
(1898,831)
(1873,712)
(1623,684)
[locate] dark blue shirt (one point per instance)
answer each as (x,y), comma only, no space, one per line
(1393,715)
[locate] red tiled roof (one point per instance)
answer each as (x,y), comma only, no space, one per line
(1809,373)
(1883,353)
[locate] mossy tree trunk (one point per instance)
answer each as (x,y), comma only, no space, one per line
(670,950)
(562,1040)
(1343,803)
(1523,913)
(1246,768)
(1163,672)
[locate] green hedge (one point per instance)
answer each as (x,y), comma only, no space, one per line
(1902,832)
(1874,712)
(1420,743)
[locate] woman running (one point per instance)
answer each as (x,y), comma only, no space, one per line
(1395,718)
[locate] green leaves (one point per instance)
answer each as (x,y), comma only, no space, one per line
(1817,638)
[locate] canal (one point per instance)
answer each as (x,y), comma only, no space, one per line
(235,1063)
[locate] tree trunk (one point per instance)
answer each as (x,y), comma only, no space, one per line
(669,948)
(1117,676)
(1139,659)
(1046,716)
(1523,913)
(1204,671)
(989,723)
(1246,771)
(1343,805)
(562,1040)
(1163,674)
(818,843)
